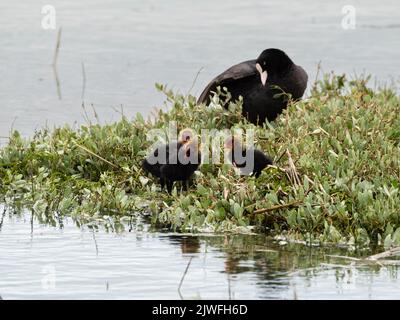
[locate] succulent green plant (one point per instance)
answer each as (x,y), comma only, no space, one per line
(335,179)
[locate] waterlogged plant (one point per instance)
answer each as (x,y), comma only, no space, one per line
(335,179)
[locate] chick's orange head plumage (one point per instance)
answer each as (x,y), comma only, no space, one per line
(186,135)
(232,142)
(191,146)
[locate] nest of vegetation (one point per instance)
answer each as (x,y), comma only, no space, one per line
(335,179)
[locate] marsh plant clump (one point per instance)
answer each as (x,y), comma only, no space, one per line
(335,176)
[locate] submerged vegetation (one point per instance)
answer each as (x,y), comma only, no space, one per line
(336,176)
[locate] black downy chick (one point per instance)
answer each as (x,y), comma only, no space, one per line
(248,160)
(169,162)
(189,159)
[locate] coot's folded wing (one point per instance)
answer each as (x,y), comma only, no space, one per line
(299,80)
(238,71)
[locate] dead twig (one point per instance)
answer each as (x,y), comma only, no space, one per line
(229,287)
(57,49)
(317,73)
(389,253)
(183,277)
(95,242)
(280,157)
(54,64)
(343,257)
(96,155)
(57,80)
(291,172)
(2,217)
(292,204)
(195,79)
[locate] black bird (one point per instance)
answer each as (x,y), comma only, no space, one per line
(243,158)
(174,161)
(258,82)
(152,163)
(189,159)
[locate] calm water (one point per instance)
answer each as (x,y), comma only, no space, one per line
(77,263)
(126,46)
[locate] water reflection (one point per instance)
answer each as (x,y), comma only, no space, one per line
(188,244)
(291,268)
(92,262)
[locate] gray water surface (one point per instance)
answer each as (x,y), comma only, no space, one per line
(129,45)
(126,46)
(43,262)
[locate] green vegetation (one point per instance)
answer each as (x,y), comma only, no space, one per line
(336,177)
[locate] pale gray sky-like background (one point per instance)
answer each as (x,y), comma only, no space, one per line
(127,46)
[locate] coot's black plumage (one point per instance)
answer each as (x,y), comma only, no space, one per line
(154,161)
(256,81)
(239,156)
(188,162)
(160,155)
(175,161)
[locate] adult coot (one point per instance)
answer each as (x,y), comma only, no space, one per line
(261,83)
(175,161)
(248,160)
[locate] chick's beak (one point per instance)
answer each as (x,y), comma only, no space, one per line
(185,139)
(263,74)
(186,135)
(228,144)
(191,147)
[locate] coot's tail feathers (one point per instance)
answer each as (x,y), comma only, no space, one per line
(205,96)
(300,79)
(238,71)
